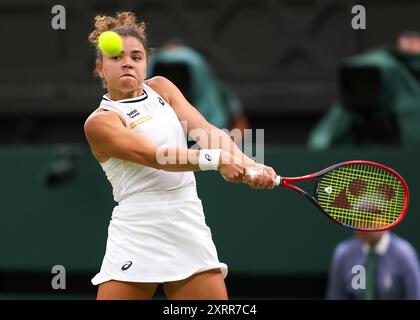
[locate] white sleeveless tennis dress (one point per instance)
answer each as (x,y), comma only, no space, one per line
(157,232)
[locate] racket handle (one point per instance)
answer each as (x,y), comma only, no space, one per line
(278,180)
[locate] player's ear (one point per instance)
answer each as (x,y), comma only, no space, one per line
(100,73)
(98,69)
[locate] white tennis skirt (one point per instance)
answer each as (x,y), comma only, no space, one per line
(158,237)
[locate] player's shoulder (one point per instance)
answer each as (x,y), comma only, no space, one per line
(98,118)
(158,83)
(100,115)
(161,85)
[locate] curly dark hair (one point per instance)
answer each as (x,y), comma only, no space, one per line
(123,23)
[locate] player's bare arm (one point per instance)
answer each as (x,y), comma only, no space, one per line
(108,137)
(194,120)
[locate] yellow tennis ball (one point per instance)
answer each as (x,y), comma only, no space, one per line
(110,43)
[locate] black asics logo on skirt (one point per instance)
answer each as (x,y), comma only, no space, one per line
(126,266)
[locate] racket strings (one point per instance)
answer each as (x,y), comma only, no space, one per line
(361,196)
(365,219)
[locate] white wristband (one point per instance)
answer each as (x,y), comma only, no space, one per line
(209,159)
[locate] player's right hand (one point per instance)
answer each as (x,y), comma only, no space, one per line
(260,176)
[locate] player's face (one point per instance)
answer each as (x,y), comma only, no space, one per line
(126,72)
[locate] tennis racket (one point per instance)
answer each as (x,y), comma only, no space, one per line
(361,195)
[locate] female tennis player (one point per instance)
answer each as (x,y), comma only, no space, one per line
(157,232)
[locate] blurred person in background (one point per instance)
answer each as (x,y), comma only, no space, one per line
(189,70)
(409,42)
(392,269)
(379,99)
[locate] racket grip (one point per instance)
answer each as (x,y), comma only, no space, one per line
(278,180)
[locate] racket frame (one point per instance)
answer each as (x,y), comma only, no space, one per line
(287,182)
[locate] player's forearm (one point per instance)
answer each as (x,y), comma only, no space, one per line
(224,142)
(170,158)
(176,159)
(181,159)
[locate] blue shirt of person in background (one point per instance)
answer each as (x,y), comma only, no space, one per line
(397,274)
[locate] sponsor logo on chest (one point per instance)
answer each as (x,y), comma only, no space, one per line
(134,113)
(140,121)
